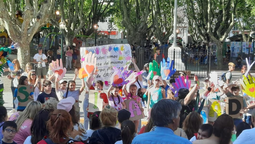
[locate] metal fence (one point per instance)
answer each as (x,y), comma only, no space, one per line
(193,63)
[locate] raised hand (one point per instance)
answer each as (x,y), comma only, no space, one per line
(180,83)
(88,65)
(58,69)
(248,85)
(153,66)
(167,69)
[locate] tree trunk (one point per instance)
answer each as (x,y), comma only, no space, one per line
(69,40)
(219,55)
(24,54)
(136,37)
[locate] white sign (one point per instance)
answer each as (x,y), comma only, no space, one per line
(118,55)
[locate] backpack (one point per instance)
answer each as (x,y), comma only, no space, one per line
(223,76)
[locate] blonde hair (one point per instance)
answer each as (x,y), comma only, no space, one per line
(50,104)
(108,116)
(28,65)
(29,113)
(29,76)
(16,64)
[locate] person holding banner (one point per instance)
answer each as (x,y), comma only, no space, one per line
(23,81)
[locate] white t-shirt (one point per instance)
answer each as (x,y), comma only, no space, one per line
(39,58)
(119,142)
(28,140)
(60,94)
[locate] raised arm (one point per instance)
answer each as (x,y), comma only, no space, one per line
(82,86)
(190,96)
(140,78)
(125,90)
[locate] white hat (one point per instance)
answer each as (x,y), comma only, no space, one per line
(66,104)
(156,77)
(61,81)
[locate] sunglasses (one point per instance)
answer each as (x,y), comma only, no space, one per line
(10,131)
(33,74)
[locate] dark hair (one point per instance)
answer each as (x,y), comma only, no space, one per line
(182,93)
(94,121)
(164,111)
(234,88)
(149,125)
(38,127)
(127,131)
(240,127)
(75,119)
(146,66)
(3,113)
(192,123)
(100,82)
(22,80)
(9,124)
(71,81)
(172,80)
(208,128)
(46,83)
(117,96)
(222,128)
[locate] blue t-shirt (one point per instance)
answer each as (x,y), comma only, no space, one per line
(75,94)
(20,108)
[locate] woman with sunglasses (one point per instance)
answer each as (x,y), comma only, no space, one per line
(33,80)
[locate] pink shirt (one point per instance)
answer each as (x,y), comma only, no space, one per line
(136,98)
(23,132)
(118,101)
(69,53)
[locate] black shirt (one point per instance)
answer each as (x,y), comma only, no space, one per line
(106,135)
(43,96)
(8,143)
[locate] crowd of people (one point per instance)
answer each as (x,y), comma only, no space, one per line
(52,115)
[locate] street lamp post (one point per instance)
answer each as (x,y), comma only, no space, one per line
(175,22)
(96,27)
(62,27)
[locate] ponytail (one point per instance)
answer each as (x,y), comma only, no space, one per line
(225,136)
(114,100)
(127,131)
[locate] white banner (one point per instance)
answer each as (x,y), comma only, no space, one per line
(118,55)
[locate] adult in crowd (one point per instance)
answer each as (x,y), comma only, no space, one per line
(145,75)
(38,127)
(34,80)
(247,136)
(79,132)
(108,134)
(192,123)
(59,53)
(241,127)
(47,92)
(165,115)
(94,123)
(25,120)
(50,56)
(40,60)
(128,132)
(3,118)
(27,69)
(9,131)
(123,115)
(59,126)
(222,131)
(14,76)
(76,54)
(69,56)
(187,100)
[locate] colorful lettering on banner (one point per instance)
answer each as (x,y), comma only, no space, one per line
(24,93)
(134,109)
(233,106)
(107,57)
(215,110)
(96,100)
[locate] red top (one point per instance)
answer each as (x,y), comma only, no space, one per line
(142,130)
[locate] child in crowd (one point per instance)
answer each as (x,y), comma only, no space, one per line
(94,123)
(9,131)
(3,118)
(132,95)
(71,92)
(123,115)
(205,131)
(115,100)
(127,132)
